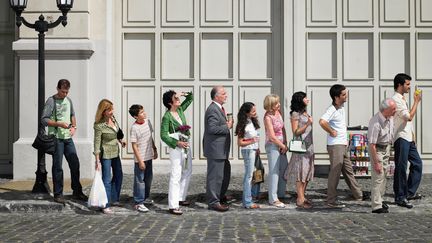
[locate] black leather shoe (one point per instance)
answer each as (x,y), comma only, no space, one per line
(404,203)
(417,196)
(380,210)
(79,196)
(218,207)
(385,206)
(59,199)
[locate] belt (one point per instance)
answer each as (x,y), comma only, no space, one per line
(382,146)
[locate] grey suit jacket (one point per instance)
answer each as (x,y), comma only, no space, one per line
(217,136)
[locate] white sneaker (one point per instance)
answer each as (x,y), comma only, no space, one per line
(148,201)
(141,208)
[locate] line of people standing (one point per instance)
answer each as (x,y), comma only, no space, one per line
(391,125)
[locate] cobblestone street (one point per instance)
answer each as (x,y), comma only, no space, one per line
(355,223)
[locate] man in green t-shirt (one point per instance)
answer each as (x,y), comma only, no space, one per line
(59,116)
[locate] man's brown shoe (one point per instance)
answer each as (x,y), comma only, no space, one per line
(218,207)
(59,199)
(184,203)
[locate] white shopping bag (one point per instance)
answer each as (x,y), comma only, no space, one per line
(97,197)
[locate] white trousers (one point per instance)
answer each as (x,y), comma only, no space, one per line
(179,177)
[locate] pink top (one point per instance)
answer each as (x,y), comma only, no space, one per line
(278,125)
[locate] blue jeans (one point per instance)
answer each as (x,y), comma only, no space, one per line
(249,190)
(65,147)
(142,181)
(112,186)
(406,151)
(277,165)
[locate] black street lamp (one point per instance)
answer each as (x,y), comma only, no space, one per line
(41,26)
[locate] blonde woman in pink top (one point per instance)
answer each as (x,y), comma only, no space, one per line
(276,148)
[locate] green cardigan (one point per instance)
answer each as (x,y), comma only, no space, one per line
(169,123)
(105,141)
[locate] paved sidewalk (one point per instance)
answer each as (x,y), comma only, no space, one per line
(29,217)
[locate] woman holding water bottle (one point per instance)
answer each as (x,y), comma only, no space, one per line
(248,138)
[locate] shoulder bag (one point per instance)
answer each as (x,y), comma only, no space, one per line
(258,174)
(43,142)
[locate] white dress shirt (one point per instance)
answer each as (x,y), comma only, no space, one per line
(403,128)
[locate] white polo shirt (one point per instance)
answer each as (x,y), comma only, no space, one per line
(336,119)
(403,128)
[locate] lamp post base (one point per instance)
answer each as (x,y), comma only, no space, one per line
(41,183)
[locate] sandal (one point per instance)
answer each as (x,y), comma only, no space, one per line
(253,206)
(107,211)
(175,211)
(278,204)
(304,205)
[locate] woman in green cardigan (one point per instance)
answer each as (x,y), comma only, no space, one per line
(173,127)
(107,152)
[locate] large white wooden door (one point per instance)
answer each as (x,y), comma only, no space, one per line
(192,45)
(363,44)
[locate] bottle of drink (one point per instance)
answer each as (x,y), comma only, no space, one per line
(417,90)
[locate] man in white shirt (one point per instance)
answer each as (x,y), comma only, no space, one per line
(404,144)
(333,122)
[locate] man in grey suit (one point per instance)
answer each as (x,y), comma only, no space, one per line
(217,142)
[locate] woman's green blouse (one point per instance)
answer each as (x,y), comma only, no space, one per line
(170,124)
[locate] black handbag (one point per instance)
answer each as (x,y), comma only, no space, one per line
(120,134)
(43,142)
(258,174)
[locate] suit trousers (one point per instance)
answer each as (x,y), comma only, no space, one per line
(340,162)
(218,178)
(379,180)
(179,177)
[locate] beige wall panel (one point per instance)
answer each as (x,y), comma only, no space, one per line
(424,120)
(395,13)
(321,12)
(256,95)
(423,13)
(255,12)
(216,56)
(142,95)
(358,12)
(177,56)
(385,92)
(139,12)
(255,56)
(138,56)
(358,56)
(359,107)
(320,101)
(394,54)
(164,154)
(216,12)
(78,25)
(424,56)
(204,102)
(177,12)
(321,56)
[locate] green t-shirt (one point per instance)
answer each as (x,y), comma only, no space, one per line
(63,108)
